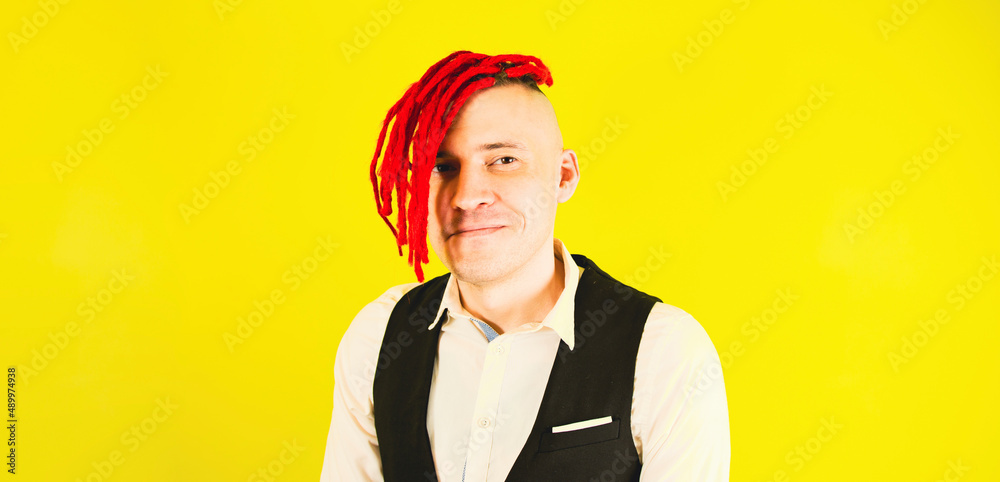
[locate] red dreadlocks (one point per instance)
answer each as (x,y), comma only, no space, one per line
(422,117)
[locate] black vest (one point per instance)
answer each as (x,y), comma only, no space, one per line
(593,380)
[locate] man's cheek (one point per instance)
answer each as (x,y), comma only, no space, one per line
(433,211)
(539,204)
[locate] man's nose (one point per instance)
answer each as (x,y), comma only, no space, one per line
(472,188)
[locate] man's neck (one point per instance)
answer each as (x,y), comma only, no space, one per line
(526,296)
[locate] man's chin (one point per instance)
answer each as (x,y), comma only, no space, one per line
(479,269)
(479,258)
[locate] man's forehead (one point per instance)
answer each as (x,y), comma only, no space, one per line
(502,117)
(511,97)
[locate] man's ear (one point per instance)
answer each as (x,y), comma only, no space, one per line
(569,175)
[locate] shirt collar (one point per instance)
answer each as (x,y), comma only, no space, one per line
(561,318)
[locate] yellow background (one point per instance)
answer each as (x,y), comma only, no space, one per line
(653,186)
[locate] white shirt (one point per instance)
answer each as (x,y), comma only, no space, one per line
(680,420)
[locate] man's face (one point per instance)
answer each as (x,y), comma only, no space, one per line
(500,173)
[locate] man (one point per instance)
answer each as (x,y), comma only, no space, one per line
(524,362)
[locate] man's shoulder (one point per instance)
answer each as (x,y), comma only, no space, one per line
(377,311)
(365,332)
(358,350)
(670,329)
(390,296)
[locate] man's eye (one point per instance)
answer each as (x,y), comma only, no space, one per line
(508,160)
(441,168)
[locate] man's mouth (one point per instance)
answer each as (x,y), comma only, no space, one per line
(477,231)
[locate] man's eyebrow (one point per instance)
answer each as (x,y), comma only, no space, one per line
(490,146)
(503,145)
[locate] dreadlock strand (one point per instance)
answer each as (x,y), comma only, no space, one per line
(463,82)
(427,142)
(460,101)
(422,172)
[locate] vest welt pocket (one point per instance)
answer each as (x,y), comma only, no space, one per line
(575,438)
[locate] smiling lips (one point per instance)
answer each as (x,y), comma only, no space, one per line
(477,231)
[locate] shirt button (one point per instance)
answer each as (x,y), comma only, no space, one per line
(484,422)
(498,349)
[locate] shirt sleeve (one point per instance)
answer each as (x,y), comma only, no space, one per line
(680,416)
(352,452)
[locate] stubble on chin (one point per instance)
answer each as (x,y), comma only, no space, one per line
(478,270)
(491,266)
